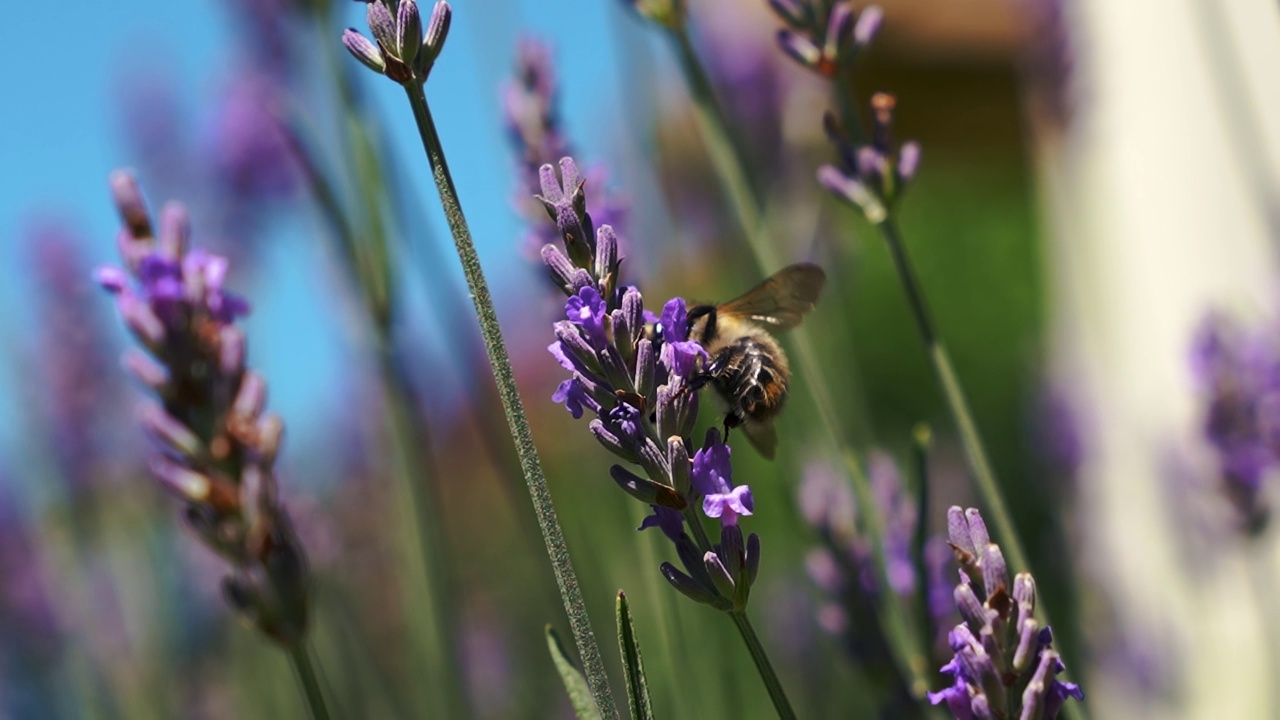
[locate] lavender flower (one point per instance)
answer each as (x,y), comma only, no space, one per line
(1003,657)
(399,49)
(844,566)
(633,372)
(826,44)
(869,176)
(215,447)
(532,117)
(1238,372)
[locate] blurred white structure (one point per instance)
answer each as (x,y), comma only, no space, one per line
(1155,201)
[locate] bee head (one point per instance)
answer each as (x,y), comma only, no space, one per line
(702,323)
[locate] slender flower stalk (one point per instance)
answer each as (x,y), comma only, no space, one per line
(405,56)
(215,447)
(634,372)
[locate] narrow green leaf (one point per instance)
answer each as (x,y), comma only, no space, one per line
(576,685)
(632,664)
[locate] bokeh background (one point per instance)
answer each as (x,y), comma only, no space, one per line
(1096,179)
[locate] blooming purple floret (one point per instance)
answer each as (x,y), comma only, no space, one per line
(713,478)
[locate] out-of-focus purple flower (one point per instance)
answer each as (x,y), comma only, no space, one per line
(1002,653)
(1048,60)
(1238,372)
(249,151)
(869,176)
(215,447)
(75,369)
(826,44)
(1058,426)
(30,623)
(532,117)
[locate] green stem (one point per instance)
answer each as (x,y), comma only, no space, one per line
(761,659)
(309,680)
(490,330)
(974,450)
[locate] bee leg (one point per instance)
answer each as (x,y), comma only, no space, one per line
(732,419)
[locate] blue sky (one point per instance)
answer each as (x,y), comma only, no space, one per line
(60,137)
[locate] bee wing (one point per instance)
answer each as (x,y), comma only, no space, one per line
(762,436)
(781,301)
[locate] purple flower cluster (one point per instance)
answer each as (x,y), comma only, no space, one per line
(1003,657)
(825,43)
(844,565)
(632,372)
(869,176)
(532,117)
(1238,372)
(399,50)
(216,448)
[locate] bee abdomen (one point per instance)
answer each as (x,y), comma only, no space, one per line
(750,377)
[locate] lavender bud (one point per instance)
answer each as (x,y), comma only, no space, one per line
(854,191)
(606,260)
(908,161)
(1024,594)
(653,460)
(163,427)
(580,279)
(1034,696)
(839,22)
(970,607)
(141,320)
(633,308)
(995,575)
(561,269)
(576,348)
(382,25)
(252,396)
(689,588)
(644,490)
(977,529)
(800,48)
(408,31)
(146,370)
(175,230)
(611,442)
(731,550)
(958,532)
(981,707)
(792,12)
(666,413)
(182,481)
(720,577)
(270,433)
(363,50)
(645,369)
(1028,632)
(231,351)
(130,205)
(678,460)
(869,22)
(437,32)
(752,563)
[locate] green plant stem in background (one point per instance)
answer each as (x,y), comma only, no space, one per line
(974,451)
(557,550)
(761,659)
(300,658)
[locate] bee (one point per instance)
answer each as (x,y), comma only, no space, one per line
(747,366)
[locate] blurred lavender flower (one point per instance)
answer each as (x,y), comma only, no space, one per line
(1048,61)
(632,371)
(844,566)
(249,151)
(825,36)
(215,447)
(75,368)
(30,624)
(532,116)
(1003,657)
(1238,372)
(870,177)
